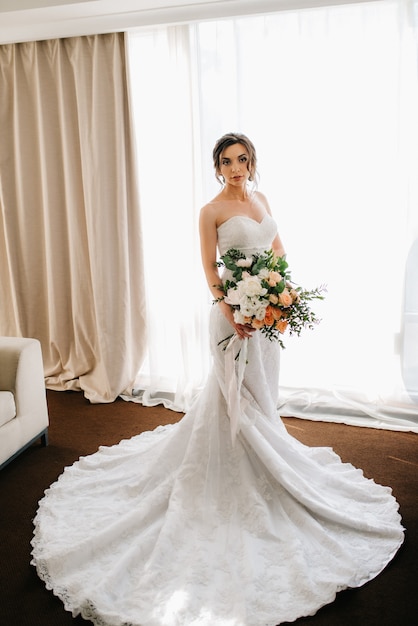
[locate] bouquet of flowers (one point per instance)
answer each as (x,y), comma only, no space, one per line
(262,294)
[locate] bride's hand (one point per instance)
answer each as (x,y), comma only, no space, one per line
(242,330)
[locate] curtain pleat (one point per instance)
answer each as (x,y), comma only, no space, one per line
(71,267)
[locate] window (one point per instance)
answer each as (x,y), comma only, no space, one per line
(329,97)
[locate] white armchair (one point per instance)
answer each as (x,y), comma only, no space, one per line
(23,408)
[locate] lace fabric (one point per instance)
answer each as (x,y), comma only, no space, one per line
(179,527)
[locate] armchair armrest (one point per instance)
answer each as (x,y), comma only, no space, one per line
(22,374)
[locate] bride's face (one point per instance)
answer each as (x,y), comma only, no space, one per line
(233,165)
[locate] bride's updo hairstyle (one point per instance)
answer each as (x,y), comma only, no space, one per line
(229,140)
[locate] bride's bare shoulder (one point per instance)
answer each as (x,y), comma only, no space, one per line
(260,197)
(209,212)
(262,201)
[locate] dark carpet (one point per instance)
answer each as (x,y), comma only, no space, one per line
(78,428)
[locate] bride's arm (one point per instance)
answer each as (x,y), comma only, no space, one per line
(208,248)
(278,247)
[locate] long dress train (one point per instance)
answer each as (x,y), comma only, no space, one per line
(182,527)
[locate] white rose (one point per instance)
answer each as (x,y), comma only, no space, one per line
(264,273)
(238,317)
(253,306)
(252,287)
(247,306)
(247,262)
(261,311)
(232,296)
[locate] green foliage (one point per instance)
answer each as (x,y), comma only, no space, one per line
(281,303)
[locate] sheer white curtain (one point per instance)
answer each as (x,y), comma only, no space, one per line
(166,116)
(329,97)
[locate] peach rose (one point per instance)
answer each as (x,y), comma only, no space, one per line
(281,325)
(268,317)
(257,323)
(274,278)
(273,298)
(294,295)
(277,313)
(285,298)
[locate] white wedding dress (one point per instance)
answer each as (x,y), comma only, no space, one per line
(179,527)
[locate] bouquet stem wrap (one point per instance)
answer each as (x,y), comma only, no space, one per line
(262,295)
(234,375)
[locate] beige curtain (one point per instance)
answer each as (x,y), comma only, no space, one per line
(71,271)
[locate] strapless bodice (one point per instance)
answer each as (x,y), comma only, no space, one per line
(246,234)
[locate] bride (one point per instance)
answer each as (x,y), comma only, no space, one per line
(222,519)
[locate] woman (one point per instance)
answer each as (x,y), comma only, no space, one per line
(234,159)
(188,525)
